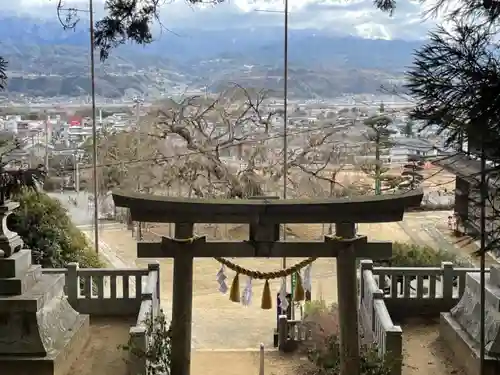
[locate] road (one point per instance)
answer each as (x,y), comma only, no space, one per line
(80,206)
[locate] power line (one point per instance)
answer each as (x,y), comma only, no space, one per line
(248,141)
(215,148)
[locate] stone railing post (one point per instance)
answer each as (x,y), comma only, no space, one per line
(138,350)
(155,267)
(72,284)
(447,281)
(394,349)
(282,332)
(156,298)
(365,265)
(378,294)
(261,360)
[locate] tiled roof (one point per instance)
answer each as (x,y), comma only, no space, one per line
(465,167)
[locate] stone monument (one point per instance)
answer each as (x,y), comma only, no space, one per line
(40,333)
(460,328)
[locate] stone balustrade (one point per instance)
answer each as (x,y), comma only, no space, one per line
(116,292)
(388,293)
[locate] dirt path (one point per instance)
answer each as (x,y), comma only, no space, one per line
(424,352)
(241,363)
(101,355)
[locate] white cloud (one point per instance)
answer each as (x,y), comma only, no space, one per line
(356,17)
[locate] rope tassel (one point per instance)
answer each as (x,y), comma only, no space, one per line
(299,294)
(234,293)
(267,302)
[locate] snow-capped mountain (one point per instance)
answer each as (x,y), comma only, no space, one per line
(339,17)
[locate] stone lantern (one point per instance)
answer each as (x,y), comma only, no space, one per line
(39,330)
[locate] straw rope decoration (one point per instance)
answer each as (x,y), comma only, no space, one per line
(266,303)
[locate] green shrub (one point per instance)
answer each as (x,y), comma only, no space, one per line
(314,307)
(158,353)
(410,255)
(323,349)
(46,229)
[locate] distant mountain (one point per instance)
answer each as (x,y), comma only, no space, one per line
(46,61)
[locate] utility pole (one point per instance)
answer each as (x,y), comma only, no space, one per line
(138,144)
(94,126)
(77,172)
(285,134)
(47,143)
(378,167)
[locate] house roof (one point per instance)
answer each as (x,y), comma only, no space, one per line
(413,143)
(29,145)
(465,167)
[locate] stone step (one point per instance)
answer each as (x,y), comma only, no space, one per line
(34,299)
(58,361)
(14,286)
(15,265)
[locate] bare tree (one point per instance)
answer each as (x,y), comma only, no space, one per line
(227,146)
(127,160)
(219,142)
(3,73)
(323,161)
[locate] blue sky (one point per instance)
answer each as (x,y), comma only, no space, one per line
(351,17)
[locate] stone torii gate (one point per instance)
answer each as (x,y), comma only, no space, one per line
(264,217)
